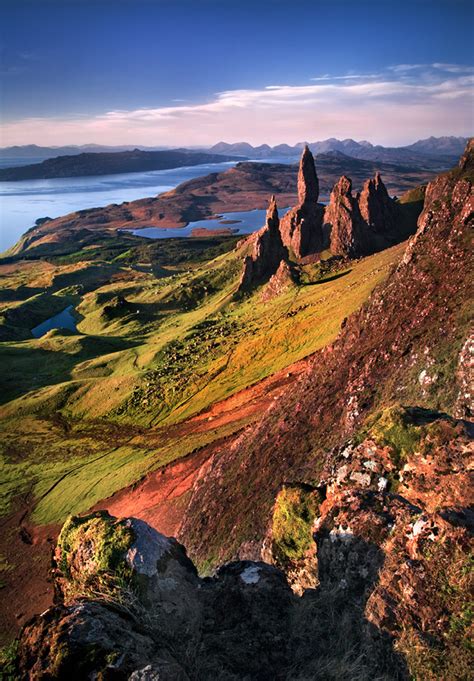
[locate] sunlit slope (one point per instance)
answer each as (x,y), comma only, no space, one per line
(179,343)
(149,352)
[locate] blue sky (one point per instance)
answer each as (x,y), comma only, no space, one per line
(196,71)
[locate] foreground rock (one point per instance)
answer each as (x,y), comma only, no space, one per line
(301,227)
(130,605)
(379,552)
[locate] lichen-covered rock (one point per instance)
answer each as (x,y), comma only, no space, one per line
(88,640)
(465,372)
(130,605)
(301,228)
(91,555)
(101,554)
(289,542)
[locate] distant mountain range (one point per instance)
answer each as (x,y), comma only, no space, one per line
(429,150)
(432,153)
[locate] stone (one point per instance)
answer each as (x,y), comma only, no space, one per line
(377,209)
(283,278)
(266,251)
(342,216)
(301,227)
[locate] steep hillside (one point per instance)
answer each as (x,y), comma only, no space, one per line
(222,416)
(404,347)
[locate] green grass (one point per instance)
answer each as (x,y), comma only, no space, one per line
(293,516)
(182,344)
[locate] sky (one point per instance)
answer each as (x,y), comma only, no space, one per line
(194,72)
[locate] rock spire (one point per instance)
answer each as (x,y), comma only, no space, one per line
(301,227)
(266,253)
(376,207)
(343,216)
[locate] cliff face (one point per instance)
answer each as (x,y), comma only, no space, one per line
(342,215)
(301,227)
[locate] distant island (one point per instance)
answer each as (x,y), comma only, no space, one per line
(111,163)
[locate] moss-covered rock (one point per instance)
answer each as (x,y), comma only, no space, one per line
(293,517)
(91,555)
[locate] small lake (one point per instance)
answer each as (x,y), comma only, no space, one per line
(62,320)
(243,222)
(22,203)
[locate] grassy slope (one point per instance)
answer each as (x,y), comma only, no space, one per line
(183,343)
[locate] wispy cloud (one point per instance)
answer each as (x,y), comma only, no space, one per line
(397,105)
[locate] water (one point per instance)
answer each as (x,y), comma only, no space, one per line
(22,203)
(247,221)
(62,320)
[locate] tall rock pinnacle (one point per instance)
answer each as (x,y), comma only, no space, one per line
(376,207)
(301,228)
(308,183)
(348,237)
(267,251)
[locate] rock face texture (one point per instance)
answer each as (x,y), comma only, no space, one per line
(301,227)
(139,611)
(376,207)
(362,224)
(283,278)
(342,215)
(267,251)
(379,552)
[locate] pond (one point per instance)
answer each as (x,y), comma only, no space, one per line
(238,222)
(62,320)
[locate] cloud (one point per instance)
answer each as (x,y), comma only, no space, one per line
(398,105)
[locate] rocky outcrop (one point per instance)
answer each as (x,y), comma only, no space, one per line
(301,227)
(283,279)
(266,251)
(131,606)
(379,552)
(342,216)
(466,162)
(416,321)
(362,224)
(142,613)
(377,209)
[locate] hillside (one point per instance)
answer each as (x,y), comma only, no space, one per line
(328,401)
(108,163)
